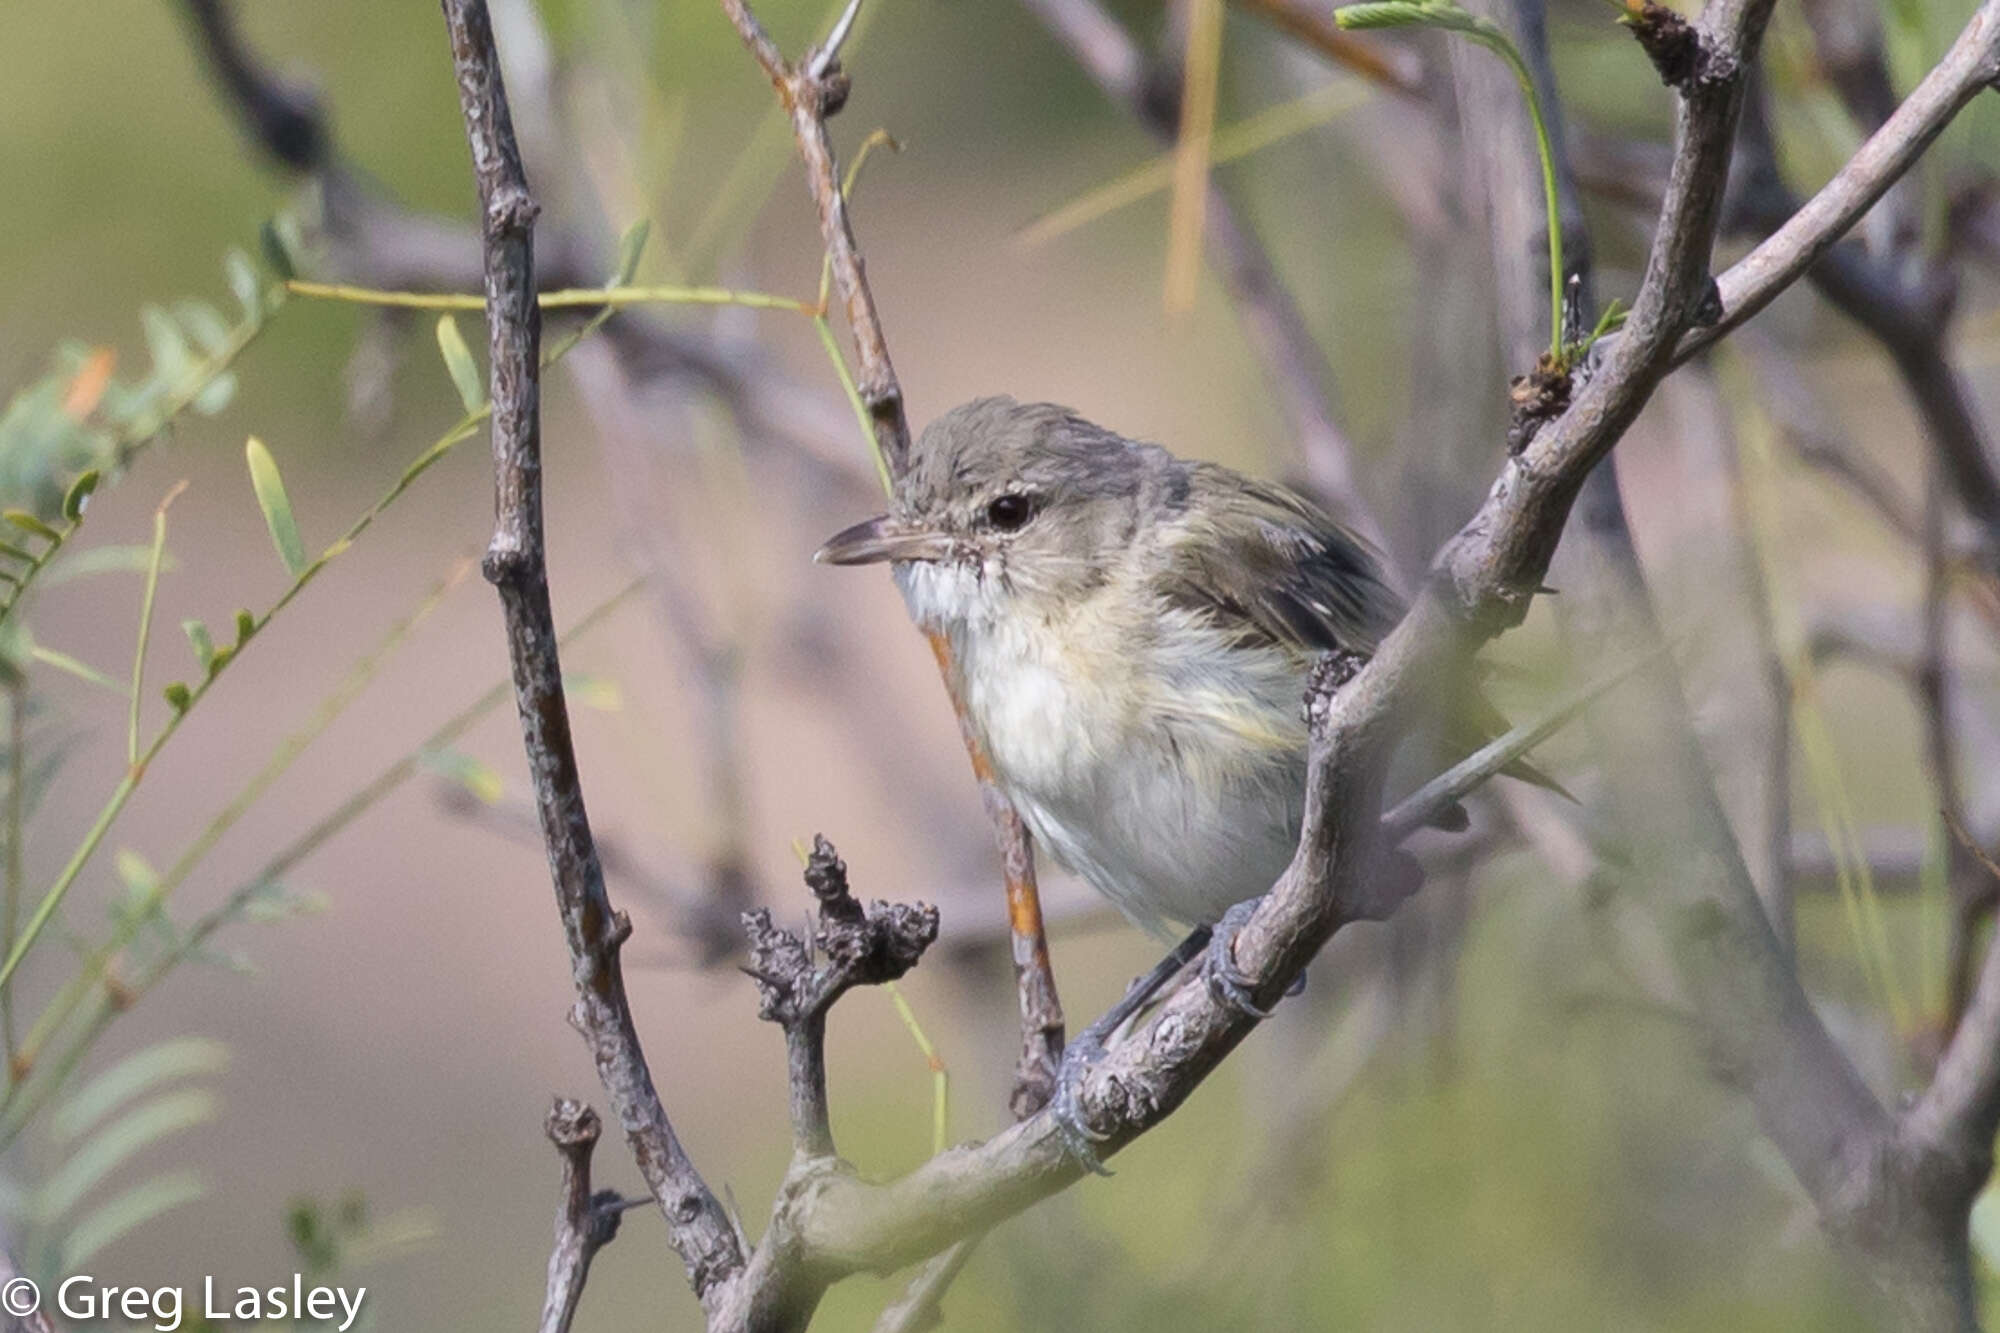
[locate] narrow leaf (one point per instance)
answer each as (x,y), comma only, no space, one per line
(215,395)
(277,249)
(79,494)
(126,1212)
(458,360)
(81,670)
(117,1143)
(475,777)
(277,506)
(243,283)
(140,1072)
(27,522)
(204,324)
(199,640)
(172,356)
(105,560)
(154,557)
(631,246)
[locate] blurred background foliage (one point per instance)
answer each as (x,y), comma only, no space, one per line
(1484,1116)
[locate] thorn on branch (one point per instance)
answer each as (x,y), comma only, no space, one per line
(1669,41)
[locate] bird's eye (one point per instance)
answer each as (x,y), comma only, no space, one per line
(1010,511)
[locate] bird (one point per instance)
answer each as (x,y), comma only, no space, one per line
(1131,635)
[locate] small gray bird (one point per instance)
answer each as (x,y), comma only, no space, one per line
(1131,635)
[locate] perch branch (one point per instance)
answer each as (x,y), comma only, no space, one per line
(516,564)
(1481,585)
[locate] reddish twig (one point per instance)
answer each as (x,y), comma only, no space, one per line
(812,90)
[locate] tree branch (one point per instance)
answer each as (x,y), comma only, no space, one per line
(516,564)
(1272,321)
(860,946)
(810,92)
(1960,1110)
(1482,583)
(585,1222)
(1750,284)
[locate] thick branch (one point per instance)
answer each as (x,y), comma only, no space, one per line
(516,564)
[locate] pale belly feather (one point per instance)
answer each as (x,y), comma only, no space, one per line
(1172,787)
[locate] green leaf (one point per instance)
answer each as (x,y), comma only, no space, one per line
(277,506)
(78,495)
(279,251)
(243,282)
(199,640)
(275,901)
(1402,14)
(136,873)
(458,360)
(105,560)
(138,1073)
(600,693)
(475,777)
(81,670)
(173,357)
(27,522)
(215,395)
(631,246)
(178,696)
(246,625)
(117,1143)
(126,1212)
(204,324)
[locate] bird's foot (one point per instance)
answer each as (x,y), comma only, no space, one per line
(1079,1139)
(1225,980)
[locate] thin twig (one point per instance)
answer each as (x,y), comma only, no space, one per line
(516,564)
(799,980)
(585,1222)
(1751,283)
(811,93)
(1276,328)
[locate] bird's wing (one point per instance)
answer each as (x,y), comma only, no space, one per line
(1273,570)
(1267,566)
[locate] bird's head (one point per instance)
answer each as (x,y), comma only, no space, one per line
(1011,508)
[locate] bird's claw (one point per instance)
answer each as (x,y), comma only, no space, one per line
(1226,981)
(1066,1106)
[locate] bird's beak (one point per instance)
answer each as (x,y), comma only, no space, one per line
(884,538)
